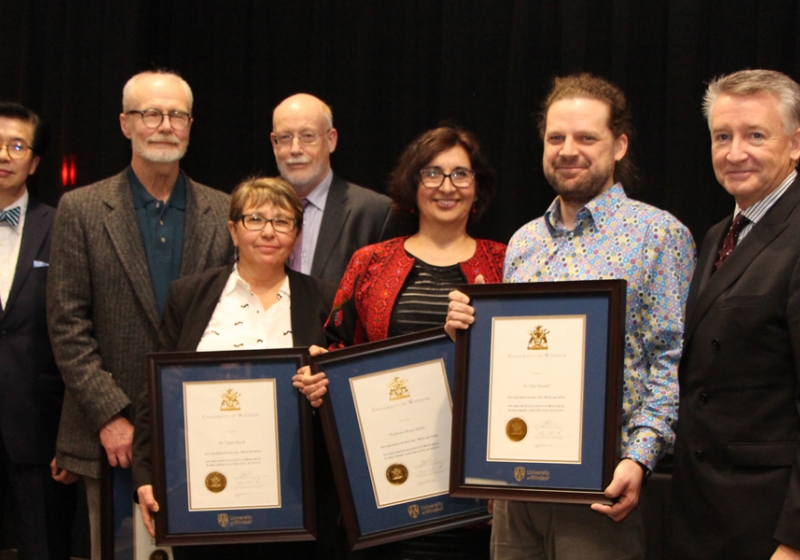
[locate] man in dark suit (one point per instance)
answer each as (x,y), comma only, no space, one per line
(737,458)
(117,246)
(339,217)
(32,390)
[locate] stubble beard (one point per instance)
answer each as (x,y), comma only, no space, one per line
(580,191)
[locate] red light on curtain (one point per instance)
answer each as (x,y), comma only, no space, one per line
(68,171)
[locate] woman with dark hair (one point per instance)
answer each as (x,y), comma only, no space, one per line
(443,182)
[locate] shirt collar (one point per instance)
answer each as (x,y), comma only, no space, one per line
(22,202)
(597,211)
(141,198)
(319,195)
(755,212)
(236,281)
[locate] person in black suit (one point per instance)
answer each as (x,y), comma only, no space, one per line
(736,479)
(32,390)
(222,309)
(340,217)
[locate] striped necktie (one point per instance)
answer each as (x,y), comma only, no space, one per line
(11,216)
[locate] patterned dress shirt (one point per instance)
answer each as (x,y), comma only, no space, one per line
(619,238)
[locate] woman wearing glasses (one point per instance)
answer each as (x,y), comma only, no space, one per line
(257,303)
(443,182)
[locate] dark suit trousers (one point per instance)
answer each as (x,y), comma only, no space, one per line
(43,509)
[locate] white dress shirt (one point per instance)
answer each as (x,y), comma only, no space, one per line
(10,241)
(240,322)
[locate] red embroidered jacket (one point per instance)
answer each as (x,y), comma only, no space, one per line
(364,301)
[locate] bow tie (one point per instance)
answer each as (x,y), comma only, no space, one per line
(11,216)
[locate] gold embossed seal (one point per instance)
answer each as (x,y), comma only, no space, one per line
(516,429)
(397,473)
(216,482)
(159,555)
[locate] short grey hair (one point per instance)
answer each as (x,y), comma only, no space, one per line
(752,82)
(127,91)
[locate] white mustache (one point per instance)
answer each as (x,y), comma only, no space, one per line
(296,160)
(163,139)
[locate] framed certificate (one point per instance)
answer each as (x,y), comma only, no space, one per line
(232,447)
(387,421)
(538,392)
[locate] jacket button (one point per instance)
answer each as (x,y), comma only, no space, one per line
(715,345)
(699,455)
(703,398)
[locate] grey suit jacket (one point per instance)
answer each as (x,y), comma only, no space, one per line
(102,314)
(354,217)
(737,459)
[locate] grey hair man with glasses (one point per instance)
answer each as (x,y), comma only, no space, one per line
(339,217)
(117,245)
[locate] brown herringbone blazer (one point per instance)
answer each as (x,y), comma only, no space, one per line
(102,315)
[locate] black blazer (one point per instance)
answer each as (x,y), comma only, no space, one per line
(354,217)
(737,460)
(32,390)
(190,305)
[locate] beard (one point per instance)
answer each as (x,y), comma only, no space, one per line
(582,189)
(160,154)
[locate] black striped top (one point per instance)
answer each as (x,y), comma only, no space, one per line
(422,303)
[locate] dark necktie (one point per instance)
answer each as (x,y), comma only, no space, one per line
(729,243)
(11,216)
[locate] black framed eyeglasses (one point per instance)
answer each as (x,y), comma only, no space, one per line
(285,140)
(16,149)
(281,224)
(433,177)
(152,118)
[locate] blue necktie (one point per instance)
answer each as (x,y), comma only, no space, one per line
(10,216)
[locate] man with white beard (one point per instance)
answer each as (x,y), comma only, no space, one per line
(339,217)
(116,246)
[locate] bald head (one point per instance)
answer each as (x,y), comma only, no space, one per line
(303,139)
(303,104)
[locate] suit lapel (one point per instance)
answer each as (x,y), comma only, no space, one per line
(197,233)
(712,286)
(195,323)
(333,219)
(123,229)
(38,219)
(303,313)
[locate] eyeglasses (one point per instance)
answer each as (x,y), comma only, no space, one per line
(307,138)
(16,150)
(433,177)
(254,222)
(152,118)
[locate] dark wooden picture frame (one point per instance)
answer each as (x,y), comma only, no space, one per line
(402,351)
(518,300)
(297,405)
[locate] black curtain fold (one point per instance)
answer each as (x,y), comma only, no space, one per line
(391,70)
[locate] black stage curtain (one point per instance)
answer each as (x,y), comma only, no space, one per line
(391,70)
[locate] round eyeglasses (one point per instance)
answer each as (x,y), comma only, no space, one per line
(433,177)
(152,118)
(254,222)
(16,150)
(285,140)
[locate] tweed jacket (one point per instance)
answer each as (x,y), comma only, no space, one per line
(102,314)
